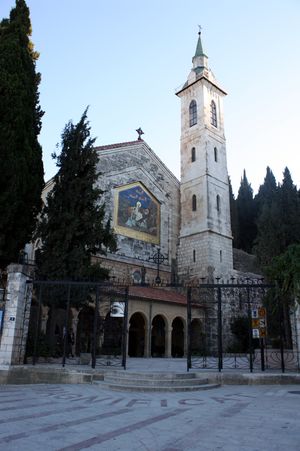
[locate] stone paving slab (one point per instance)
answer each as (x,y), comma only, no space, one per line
(78,417)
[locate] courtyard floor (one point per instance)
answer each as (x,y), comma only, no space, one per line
(77,417)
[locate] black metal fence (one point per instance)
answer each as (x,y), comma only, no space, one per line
(78,323)
(240,328)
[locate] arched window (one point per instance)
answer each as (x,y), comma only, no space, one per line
(218,202)
(213,114)
(193,154)
(194,202)
(216,154)
(193,113)
(194,255)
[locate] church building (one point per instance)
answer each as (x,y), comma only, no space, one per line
(168,231)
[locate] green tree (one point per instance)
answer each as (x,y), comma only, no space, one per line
(246,215)
(21,180)
(268,240)
(266,192)
(290,208)
(73,224)
(284,272)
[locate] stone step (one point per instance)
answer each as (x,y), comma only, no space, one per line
(156,388)
(163,382)
(151,376)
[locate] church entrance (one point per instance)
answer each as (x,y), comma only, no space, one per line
(136,343)
(158,342)
(177,338)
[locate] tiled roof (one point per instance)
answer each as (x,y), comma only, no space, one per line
(114,146)
(157,294)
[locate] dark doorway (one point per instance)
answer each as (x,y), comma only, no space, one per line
(84,330)
(197,345)
(112,339)
(177,338)
(136,344)
(158,346)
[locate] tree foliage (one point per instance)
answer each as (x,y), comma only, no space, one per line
(21,180)
(73,224)
(246,215)
(278,222)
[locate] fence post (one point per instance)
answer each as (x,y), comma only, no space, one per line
(125,326)
(250,330)
(95,328)
(220,342)
(66,332)
(189,327)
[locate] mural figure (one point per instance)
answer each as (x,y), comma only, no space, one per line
(137,210)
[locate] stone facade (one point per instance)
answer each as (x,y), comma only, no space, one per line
(127,164)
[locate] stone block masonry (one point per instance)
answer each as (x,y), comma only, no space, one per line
(16,317)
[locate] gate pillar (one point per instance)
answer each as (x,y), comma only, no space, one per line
(16,316)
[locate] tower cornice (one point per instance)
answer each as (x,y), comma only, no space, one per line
(202,77)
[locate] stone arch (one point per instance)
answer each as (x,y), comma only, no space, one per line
(158,336)
(177,337)
(137,335)
(197,344)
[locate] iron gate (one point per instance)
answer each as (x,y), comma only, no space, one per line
(237,330)
(78,323)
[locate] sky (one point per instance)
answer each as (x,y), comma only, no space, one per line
(125,59)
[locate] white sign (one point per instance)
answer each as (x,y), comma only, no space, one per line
(117,309)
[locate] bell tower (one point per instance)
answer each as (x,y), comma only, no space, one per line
(205,241)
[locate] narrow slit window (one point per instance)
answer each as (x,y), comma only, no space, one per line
(218,202)
(194,256)
(194,202)
(193,154)
(216,154)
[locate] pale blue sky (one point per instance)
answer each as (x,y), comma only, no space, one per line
(124,58)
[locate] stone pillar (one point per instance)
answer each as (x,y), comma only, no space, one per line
(168,338)
(16,317)
(147,350)
(74,326)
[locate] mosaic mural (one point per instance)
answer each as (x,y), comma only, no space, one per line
(137,213)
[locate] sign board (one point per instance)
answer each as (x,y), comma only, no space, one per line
(259,322)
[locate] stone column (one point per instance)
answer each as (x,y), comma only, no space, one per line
(168,338)
(147,350)
(16,316)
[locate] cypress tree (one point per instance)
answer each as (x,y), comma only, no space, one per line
(73,224)
(290,208)
(246,215)
(266,192)
(21,180)
(267,243)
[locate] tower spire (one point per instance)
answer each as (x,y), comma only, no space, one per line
(199,59)
(199,48)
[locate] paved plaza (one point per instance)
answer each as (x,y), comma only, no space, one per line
(77,417)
